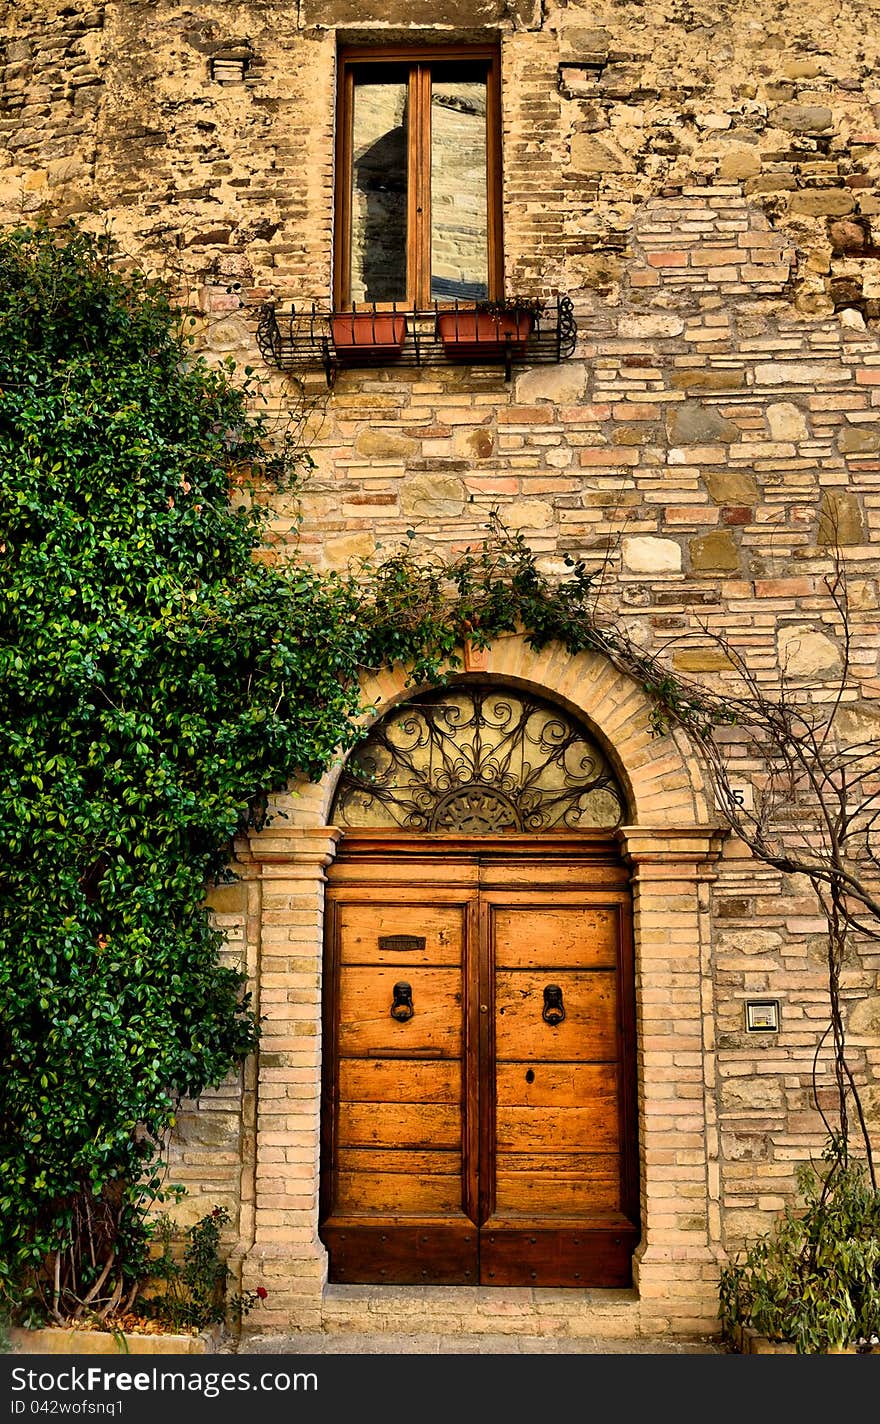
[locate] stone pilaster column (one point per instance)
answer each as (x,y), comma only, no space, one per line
(286,1256)
(677,1263)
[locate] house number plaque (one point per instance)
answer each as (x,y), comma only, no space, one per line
(401,943)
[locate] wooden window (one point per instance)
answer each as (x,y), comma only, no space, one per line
(418,210)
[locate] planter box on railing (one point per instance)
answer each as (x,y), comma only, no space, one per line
(368,333)
(313,335)
(480,336)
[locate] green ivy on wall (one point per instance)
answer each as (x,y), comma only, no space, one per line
(154,678)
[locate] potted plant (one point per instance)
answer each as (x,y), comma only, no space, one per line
(485,329)
(368,333)
(811,1286)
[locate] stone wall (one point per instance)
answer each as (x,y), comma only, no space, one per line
(704,182)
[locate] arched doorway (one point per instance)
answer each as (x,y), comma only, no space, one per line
(478,1120)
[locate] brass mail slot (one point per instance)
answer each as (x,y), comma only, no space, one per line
(401,943)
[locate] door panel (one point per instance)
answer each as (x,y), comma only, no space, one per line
(391,1125)
(587,1033)
(569,1184)
(366,997)
(556,1149)
(567,937)
(365,929)
(479,1140)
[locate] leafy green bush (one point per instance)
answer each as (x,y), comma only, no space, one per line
(155,680)
(193,1291)
(814,1280)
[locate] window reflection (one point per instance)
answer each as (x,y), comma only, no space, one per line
(459,213)
(379,192)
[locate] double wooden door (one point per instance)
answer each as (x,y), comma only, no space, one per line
(478,1103)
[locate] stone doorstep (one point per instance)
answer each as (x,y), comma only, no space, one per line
(56,1340)
(484,1310)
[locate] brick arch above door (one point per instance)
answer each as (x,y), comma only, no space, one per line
(661,777)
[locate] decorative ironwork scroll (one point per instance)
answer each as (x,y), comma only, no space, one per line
(478,760)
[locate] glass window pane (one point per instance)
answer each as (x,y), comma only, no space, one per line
(459,201)
(379,190)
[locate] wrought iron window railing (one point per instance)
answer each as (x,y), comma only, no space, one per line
(313,335)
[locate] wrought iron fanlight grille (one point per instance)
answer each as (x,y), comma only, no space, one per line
(477,760)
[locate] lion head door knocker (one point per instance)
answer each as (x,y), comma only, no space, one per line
(554,1009)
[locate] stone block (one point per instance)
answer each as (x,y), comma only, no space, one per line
(802,118)
(528,514)
(692,423)
(476,444)
(715,552)
(385,444)
(840,519)
(702,660)
(740,163)
(753,941)
(646,554)
(822,202)
(859,440)
(786,421)
(705,379)
(864,1018)
(593,155)
(731,487)
(228,899)
(806,653)
(433,496)
(753,1093)
(564,384)
(636,326)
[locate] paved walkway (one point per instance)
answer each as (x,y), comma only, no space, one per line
(344,1342)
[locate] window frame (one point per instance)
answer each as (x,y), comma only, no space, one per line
(420,59)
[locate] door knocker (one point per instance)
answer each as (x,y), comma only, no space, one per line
(402,1004)
(554,1009)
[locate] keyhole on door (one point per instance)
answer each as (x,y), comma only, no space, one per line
(530,1075)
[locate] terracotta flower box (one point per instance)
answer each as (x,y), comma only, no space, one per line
(475,335)
(367,333)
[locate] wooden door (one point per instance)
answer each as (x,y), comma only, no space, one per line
(478,1119)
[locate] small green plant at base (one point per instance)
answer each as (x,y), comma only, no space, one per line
(194,1294)
(814,1279)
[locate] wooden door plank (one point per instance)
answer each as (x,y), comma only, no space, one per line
(413,1194)
(399,1251)
(421,1161)
(566,1255)
(558,937)
(378,1080)
(539,1195)
(537,1084)
(399,1125)
(593,1127)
